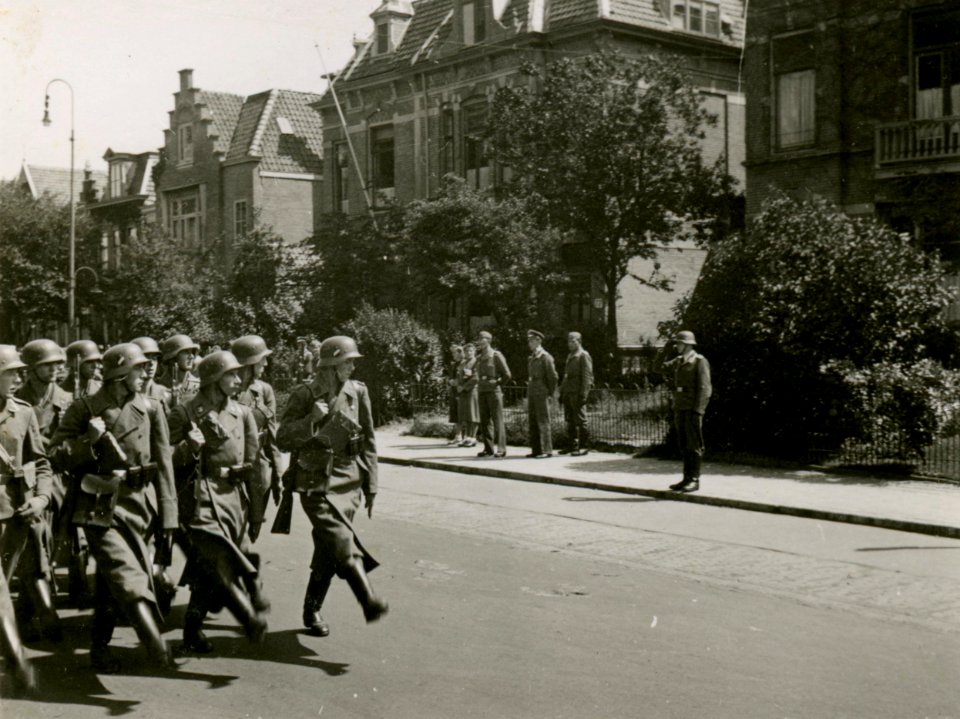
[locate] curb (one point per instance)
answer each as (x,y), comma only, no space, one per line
(936,530)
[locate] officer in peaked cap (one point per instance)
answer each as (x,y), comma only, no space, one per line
(116,444)
(25,490)
(541,384)
(215,440)
(178,354)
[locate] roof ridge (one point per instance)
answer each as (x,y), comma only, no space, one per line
(265,114)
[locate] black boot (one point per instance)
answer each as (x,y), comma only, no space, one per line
(145,623)
(101,632)
(373,606)
(317,589)
(239,604)
(13,650)
(194,640)
(48,622)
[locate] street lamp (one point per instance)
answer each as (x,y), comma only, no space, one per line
(72,292)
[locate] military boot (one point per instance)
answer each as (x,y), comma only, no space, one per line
(373,606)
(13,650)
(102,659)
(317,589)
(145,623)
(240,605)
(44,613)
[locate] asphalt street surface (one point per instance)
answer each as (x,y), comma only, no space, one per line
(513,599)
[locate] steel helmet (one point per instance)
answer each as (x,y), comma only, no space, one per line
(10,358)
(147,344)
(249,349)
(41,352)
(84,351)
(685,336)
(120,359)
(215,365)
(336,350)
(175,344)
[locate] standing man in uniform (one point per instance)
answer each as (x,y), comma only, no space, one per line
(328,426)
(116,446)
(690,374)
(541,384)
(215,440)
(492,373)
(251,352)
(179,355)
(45,359)
(25,487)
(84,366)
(574,392)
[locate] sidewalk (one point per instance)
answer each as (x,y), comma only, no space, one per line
(904,504)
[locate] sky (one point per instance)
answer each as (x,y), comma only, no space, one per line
(121,58)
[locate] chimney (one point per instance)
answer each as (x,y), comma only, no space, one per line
(186,79)
(88,194)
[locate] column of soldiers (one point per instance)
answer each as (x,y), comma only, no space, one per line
(149,448)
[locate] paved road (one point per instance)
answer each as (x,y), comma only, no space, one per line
(519,600)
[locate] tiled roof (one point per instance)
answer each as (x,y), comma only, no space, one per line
(55,181)
(224,109)
(430,26)
(258,134)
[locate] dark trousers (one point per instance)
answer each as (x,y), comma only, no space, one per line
(575,416)
(538,414)
(689,426)
(492,430)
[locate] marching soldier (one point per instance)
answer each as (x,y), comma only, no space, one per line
(215,440)
(84,366)
(25,490)
(251,352)
(179,355)
(44,359)
(116,445)
(541,384)
(328,425)
(151,388)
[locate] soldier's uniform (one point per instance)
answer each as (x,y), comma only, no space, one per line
(156,392)
(492,373)
(262,401)
(24,473)
(125,487)
(333,466)
(183,385)
(541,384)
(574,392)
(78,354)
(223,569)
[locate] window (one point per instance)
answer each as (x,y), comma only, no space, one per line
(118,178)
(796,109)
(476,162)
(185,222)
(240,219)
(383,38)
(474,22)
(697,16)
(341,178)
(381,145)
(448,141)
(578,299)
(936,43)
(185,143)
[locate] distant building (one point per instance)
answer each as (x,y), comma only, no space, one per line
(227,158)
(55,182)
(859,103)
(416,93)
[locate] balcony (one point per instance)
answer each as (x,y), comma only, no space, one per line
(918,146)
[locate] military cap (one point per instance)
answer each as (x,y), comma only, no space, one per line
(535,333)
(484,335)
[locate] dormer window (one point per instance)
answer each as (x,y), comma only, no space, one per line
(390,23)
(185,143)
(383,38)
(118,178)
(474,21)
(696,16)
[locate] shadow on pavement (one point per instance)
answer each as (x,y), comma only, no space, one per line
(283,647)
(899,549)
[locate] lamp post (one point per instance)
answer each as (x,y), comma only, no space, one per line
(72,291)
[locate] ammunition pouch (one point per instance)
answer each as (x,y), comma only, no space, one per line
(236,475)
(138,477)
(354,446)
(97,498)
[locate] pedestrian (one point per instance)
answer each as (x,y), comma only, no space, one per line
(492,374)
(84,367)
(453,394)
(179,355)
(37,615)
(541,385)
(117,449)
(574,393)
(215,440)
(468,406)
(328,427)
(689,376)
(252,352)
(26,484)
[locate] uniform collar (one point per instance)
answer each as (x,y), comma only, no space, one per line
(538,352)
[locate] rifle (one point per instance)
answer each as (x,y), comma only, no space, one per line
(281,523)
(174,384)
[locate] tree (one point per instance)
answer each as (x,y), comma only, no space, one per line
(466,244)
(613,145)
(34,247)
(806,289)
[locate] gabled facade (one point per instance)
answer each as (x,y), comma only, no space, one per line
(55,182)
(416,93)
(227,158)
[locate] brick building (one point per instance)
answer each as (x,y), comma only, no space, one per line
(859,103)
(415,97)
(228,160)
